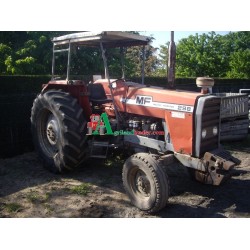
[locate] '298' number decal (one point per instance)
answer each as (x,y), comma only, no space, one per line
(184,108)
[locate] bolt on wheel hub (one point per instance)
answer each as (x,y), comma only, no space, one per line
(143,185)
(52,130)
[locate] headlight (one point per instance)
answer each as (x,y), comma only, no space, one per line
(203,133)
(215,130)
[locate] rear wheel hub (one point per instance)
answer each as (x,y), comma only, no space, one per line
(52,130)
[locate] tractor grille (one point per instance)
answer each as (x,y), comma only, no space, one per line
(207,125)
(210,122)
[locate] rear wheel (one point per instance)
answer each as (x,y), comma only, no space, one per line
(58,130)
(145,182)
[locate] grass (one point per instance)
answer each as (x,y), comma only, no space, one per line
(82,189)
(47,196)
(12,207)
(48,207)
(115,161)
(35,197)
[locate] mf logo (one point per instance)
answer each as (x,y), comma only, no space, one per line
(143,100)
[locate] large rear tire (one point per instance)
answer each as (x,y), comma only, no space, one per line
(145,182)
(59,130)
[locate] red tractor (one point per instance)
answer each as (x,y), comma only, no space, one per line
(190,121)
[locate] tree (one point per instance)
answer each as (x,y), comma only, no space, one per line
(214,55)
(239,64)
(5,51)
(201,55)
(161,70)
(134,58)
(237,47)
(31,53)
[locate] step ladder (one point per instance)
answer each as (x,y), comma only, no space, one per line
(99,148)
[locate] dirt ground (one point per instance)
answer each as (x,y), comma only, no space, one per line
(95,189)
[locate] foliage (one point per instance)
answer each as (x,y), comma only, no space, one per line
(161,70)
(238,43)
(198,55)
(214,55)
(5,51)
(31,53)
(239,64)
(134,59)
(28,52)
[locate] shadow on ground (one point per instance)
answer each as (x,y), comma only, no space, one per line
(188,199)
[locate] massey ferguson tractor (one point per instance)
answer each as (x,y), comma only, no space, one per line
(73,120)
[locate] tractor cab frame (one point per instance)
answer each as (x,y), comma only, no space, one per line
(103,41)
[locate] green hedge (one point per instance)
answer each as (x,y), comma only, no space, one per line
(189,84)
(32,84)
(160,81)
(15,134)
(22,84)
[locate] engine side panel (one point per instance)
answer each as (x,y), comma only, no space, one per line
(175,107)
(180,127)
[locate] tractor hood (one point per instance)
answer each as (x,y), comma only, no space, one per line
(150,101)
(158,100)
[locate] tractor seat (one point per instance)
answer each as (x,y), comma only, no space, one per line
(97,94)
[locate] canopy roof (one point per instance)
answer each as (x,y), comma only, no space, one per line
(109,39)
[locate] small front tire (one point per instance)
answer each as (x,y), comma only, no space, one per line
(145,182)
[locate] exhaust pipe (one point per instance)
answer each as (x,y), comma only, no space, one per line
(171,62)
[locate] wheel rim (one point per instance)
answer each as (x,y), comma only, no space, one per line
(49,133)
(52,130)
(140,183)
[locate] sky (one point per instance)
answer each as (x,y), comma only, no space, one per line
(161,37)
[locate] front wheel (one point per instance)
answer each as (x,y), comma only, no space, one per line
(145,182)
(59,130)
